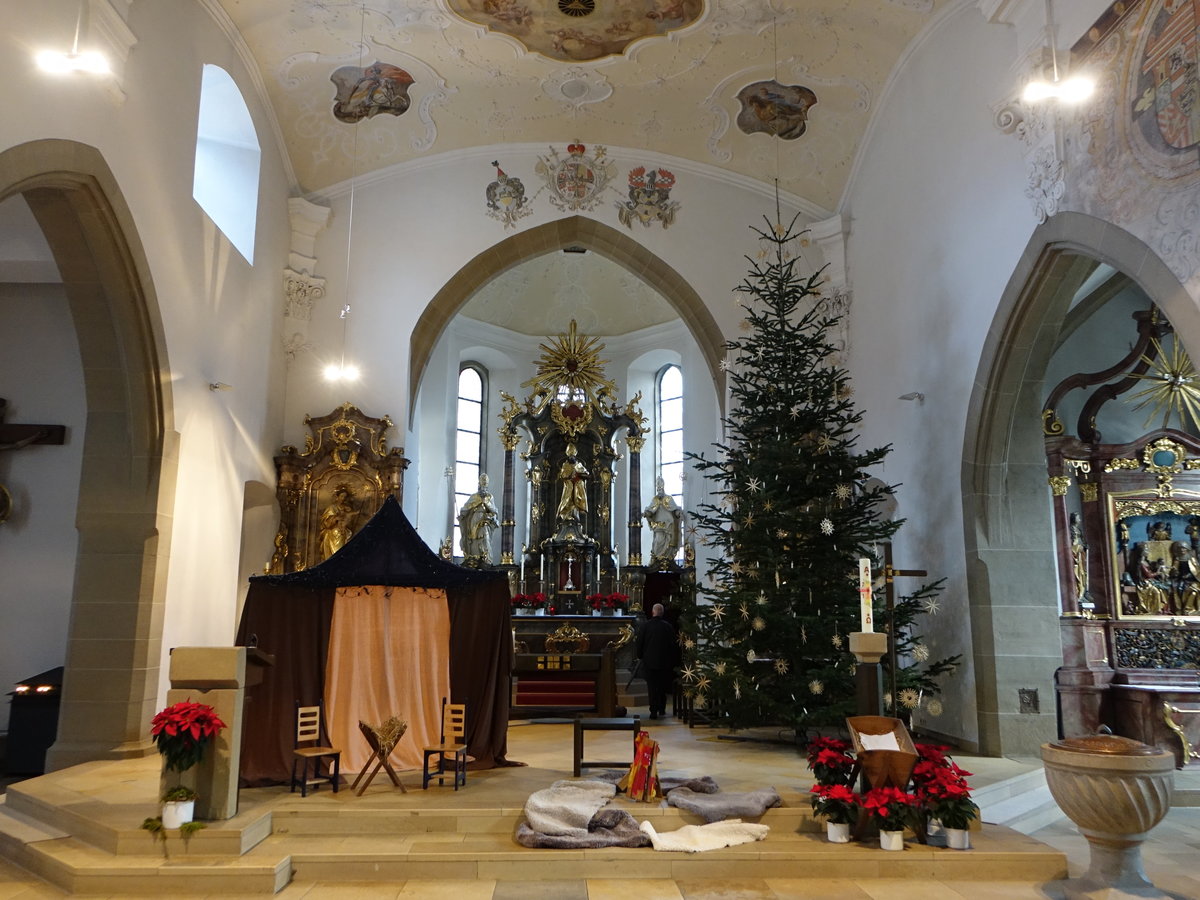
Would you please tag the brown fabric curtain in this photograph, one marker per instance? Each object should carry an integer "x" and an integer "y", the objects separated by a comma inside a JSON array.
[
  {"x": 481, "y": 665},
  {"x": 292, "y": 623},
  {"x": 389, "y": 655}
]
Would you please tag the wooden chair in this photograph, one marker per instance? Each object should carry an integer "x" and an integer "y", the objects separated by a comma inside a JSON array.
[
  {"x": 450, "y": 746},
  {"x": 382, "y": 740},
  {"x": 312, "y": 745}
]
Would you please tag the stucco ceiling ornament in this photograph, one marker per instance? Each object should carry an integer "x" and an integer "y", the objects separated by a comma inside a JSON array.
[
  {"x": 577, "y": 86},
  {"x": 297, "y": 343},
  {"x": 1046, "y": 185},
  {"x": 576, "y": 182}
]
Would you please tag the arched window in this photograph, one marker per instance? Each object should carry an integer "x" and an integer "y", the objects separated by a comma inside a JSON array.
[
  {"x": 669, "y": 436},
  {"x": 468, "y": 450},
  {"x": 225, "y": 183}
]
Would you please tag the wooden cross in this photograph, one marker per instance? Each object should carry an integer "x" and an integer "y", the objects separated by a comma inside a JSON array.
[
  {"x": 890, "y": 573},
  {"x": 14, "y": 437}
]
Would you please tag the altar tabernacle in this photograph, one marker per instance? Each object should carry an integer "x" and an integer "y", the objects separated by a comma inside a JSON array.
[{"x": 383, "y": 627}]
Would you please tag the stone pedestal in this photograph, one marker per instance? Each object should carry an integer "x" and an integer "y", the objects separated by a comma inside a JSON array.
[
  {"x": 1115, "y": 790},
  {"x": 216, "y": 676}
]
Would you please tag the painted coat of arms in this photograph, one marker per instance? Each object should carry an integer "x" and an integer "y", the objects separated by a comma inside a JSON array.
[
  {"x": 506, "y": 201},
  {"x": 1167, "y": 102},
  {"x": 649, "y": 198},
  {"x": 576, "y": 182}
]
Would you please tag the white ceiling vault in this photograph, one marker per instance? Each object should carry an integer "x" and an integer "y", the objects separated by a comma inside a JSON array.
[{"x": 672, "y": 88}]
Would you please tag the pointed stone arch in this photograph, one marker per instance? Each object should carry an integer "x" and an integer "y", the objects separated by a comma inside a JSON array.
[
  {"x": 1011, "y": 575},
  {"x": 129, "y": 447},
  {"x": 575, "y": 231}
]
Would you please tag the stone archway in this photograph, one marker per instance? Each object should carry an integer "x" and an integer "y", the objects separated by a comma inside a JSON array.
[
  {"x": 577, "y": 231},
  {"x": 113, "y": 648},
  {"x": 1011, "y": 574}
]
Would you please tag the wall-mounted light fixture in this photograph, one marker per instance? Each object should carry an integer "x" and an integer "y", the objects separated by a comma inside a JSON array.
[
  {"x": 1068, "y": 90},
  {"x": 219, "y": 386},
  {"x": 91, "y": 61},
  {"x": 913, "y": 395}
]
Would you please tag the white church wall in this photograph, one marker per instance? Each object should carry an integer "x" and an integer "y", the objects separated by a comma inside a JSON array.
[
  {"x": 213, "y": 305},
  {"x": 42, "y": 376},
  {"x": 416, "y": 226},
  {"x": 938, "y": 221}
]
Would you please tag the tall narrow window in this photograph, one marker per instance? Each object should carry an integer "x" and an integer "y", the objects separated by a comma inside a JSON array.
[
  {"x": 225, "y": 182},
  {"x": 468, "y": 451},
  {"x": 670, "y": 430}
]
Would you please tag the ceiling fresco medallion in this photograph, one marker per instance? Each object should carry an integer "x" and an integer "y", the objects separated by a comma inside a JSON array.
[
  {"x": 574, "y": 30},
  {"x": 363, "y": 93},
  {"x": 773, "y": 108}
]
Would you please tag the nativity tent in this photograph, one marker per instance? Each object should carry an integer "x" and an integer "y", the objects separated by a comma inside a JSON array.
[{"x": 384, "y": 627}]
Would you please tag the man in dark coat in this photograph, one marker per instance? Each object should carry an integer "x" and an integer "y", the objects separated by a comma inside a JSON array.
[{"x": 658, "y": 652}]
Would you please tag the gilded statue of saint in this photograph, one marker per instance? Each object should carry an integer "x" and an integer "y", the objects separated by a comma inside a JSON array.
[
  {"x": 573, "y": 474},
  {"x": 477, "y": 520},
  {"x": 337, "y": 522}
]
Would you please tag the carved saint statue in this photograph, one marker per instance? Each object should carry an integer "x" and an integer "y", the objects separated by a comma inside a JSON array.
[
  {"x": 573, "y": 474},
  {"x": 337, "y": 522},
  {"x": 477, "y": 520},
  {"x": 664, "y": 516},
  {"x": 1078, "y": 558},
  {"x": 1185, "y": 573}
]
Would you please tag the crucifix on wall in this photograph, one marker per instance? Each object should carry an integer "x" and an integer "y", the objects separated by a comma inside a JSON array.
[{"x": 17, "y": 437}]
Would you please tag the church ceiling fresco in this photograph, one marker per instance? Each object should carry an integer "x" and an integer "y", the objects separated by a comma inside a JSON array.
[{"x": 406, "y": 79}]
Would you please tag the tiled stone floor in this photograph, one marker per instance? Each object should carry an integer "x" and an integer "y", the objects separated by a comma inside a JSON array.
[{"x": 1170, "y": 855}]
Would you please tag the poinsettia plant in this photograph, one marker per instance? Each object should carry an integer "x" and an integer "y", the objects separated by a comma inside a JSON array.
[
  {"x": 615, "y": 601},
  {"x": 891, "y": 806},
  {"x": 529, "y": 601},
  {"x": 830, "y": 760},
  {"x": 941, "y": 788},
  {"x": 181, "y": 732},
  {"x": 836, "y": 802}
]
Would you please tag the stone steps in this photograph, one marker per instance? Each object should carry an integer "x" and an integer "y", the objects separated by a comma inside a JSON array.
[{"x": 1022, "y": 803}]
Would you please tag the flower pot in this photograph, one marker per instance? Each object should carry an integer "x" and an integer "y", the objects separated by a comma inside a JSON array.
[
  {"x": 177, "y": 812},
  {"x": 595, "y": 612},
  {"x": 891, "y": 840},
  {"x": 957, "y": 838},
  {"x": 540, "y": 612},
  {"x": 837, "y": 832},
  {"x": 523, "y": 612}
]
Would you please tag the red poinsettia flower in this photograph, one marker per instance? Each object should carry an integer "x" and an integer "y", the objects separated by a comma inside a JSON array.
[
  {"x": 890, "y": 805},
  {"x": 181, "y": 730},
  {"x": 836, "y": 802}
]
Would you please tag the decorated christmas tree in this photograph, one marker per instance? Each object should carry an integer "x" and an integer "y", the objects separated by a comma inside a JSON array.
[{"x": 793, "y": 508}]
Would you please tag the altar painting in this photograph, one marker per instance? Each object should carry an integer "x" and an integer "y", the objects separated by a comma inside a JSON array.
[{"x": 1156, "y": 544}]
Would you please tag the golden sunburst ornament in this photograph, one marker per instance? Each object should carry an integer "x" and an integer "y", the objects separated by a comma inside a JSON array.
[
  {"x": 573, "y": 361},
  {"x": 1172, "y": 387}
]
